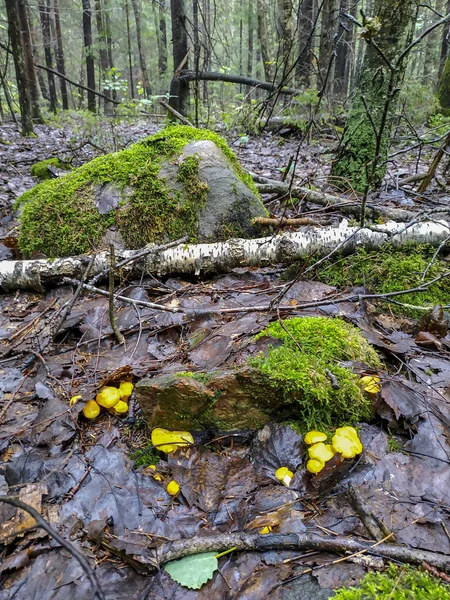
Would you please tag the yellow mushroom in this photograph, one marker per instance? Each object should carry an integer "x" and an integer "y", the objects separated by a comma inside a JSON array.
[
  {"x": 108, "y": 397},
  {"x": 284, "y": 475},
  {"x": 125, "y": 390},
  {"x": 371, "y": 384},
  {"x": 173, "y": 488},
  {"x": 314, "y": 466},
  {"x": 91, "y": 410},
  {"x": 169, "y": 441},
  {"x": 346, "y": 442},
  {"x": 313, "y": 437},
  {"x": 75, "y": 399},
  {"x": 321, "y": 452},
  {"x": 121, "y": 408},
  {"x": 265, "y": 530}
]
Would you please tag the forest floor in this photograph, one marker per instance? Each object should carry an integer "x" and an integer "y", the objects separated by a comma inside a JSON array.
[{"x": 89, "y": 479}]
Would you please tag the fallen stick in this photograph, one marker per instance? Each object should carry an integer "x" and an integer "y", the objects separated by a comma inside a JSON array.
[
  {"x": 220, "y": 257},
  {"x": 292, "y": 541},
  {"x": 286, "y": 222}
]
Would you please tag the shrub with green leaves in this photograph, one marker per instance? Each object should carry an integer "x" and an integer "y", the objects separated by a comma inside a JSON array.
[{"x": 396, "y": 584}]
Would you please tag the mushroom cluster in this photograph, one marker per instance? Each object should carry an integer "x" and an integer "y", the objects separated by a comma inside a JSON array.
[
  {"x": 345, "y": 441},
  {"x": 113, "y": 399}
]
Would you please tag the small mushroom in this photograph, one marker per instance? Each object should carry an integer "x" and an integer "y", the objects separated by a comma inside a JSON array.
[
  {"x": 108, "y": 397},
  {"x": 125, "y": 390},
  {"x": 314, "y": 437},
  {"x": 173, "y": 488},
  {"x": 121, "y": 408},
  {"x": 321, "y": 452},
  {"x": 75, "y": 399},
  {"x": 284, "y": 475},
  {"x": 314, "y": 466},
  {"x": 265, "y": 530},
  {"x": 371, "y": 384},
  {"x": 91, "y": 410},
  {"x": 346, "y": 442},
  {"x": 169, "y": 441}
]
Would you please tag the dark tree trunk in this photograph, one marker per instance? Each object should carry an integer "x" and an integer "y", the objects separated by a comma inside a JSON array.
[
  {"x": 60, "y": 62},
  {"x": 305, "y": 25},
  {"x": 344, "y": 51},
  {"x": 19, "y": 64},
  {"x": 196, "y": 36},
  {"x": 44, "y": 12},
  {"x": 142, "y": 61},
  {"x": 376, "y": 95},
  {"x": 262, "y": 37},
  {"x": 250, "y": 38},
  {"x": 179, "y": 89},
  {"x": 285, "y": 37},
  {"x": 37, "y": 57},
  {"x": 27, "y": 50},
  {"x": 162, "y": 39},
  {"x": 130, "y": 55},
  {"x": 329, "y": 28},
  {"x": 102, "y": 51},
  {"x": 90, "y": 67},
  {"x": 444, "y": 43}
]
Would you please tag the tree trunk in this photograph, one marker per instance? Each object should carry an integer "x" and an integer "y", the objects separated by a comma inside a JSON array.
[
  {"x": 162, "y": 38},
  {"x": 202, "y": 259},
  {"x": 19, "y": 64},
  {"x": 262, "y": 37},
  {"x": 285, "y": 37},
  {"x": 305, "y": 25},
  {"x": 431, "y": 64},
  {"x": 362, "y": 155},
  {"x": 250, "y": 38},
  {"x": 102, "y": 51},
  {"x": 143, "y": 63},
  {"x": 60, "y": 62},
  {"x": 444, "y": 42},
  {"x": 329, "y": 28},
  {"x": 44, "y": 12},
  {"x": 179, "y": 88},
  {"x": 344, "y": 55},
  {"x": 90, "y": 67},
  {"x": 130, "y": 55},
  {"x": 30, "y": 71},
  {"x": 37, "y": 57}
]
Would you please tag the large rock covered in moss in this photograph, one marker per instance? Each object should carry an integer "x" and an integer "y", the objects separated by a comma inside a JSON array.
[
  {"x": 181, "y": 181},
  {"x": 300, "y": 376}
]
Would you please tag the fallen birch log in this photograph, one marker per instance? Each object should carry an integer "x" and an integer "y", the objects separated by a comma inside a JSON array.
[
  {"x": 324, "y": 199},
  {"x": 220, "y": 257}
]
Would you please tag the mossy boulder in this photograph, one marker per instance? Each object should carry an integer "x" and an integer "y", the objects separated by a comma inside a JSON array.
[
  {"x": 43, "y": 169},
  {"x": 293, "y": 380},
  {"x": 181, "y": 181}
]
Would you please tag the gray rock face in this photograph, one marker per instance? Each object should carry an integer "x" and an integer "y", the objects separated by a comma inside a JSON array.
[{"x": 230, "y": 205}]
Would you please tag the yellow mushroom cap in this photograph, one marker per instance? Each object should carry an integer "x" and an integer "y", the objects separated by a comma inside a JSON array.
[
  {"x": 371, "y": 384},
  {"x": 169, "y": 441},
  {"x": 314, "y": 466},
  {"x": 265, "y": 530},
  {"x": 91, "y": 410},
  {"x": 313, "y": 437},
  {"x": 173, "y": 488},
  {"x": 346, "y": 442},
  {"x": 284, "y": 475},
  {"x": 121, "y": 408},
  {"x": 75, "y": 399},
  {"x": 125, "y": 389},
  {"x": 152, "y": 467},
  {"x": 108, "y": 397},
  {"x": 321, "y": 452}
]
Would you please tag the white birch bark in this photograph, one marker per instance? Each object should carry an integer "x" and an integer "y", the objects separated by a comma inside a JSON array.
[{"x": 202, "y": 259}]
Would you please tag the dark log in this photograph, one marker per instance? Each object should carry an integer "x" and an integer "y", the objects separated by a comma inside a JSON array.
[{"x": 239, "y": 79}]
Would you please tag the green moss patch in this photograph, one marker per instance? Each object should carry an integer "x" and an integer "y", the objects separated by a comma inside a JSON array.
[
  {"x": 398, "y": 583},
  {"x": 41, "y": 171},
  {"x": 391, "y": 270},
  {"x": 60, "y": 218},
  {"x": 311, "y": 346}
]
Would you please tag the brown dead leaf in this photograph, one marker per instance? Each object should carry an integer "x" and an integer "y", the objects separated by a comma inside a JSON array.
[
  {"x": 22, "y": 521},
  {"x": 428, "y": 340}
]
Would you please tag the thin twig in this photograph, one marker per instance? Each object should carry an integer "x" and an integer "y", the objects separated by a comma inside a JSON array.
[{"x": 112, "y": 316}]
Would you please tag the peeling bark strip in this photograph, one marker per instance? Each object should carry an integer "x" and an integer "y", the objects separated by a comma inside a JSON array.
[
  {"x": 202, "y": 259},
  {"x": 293, "y": 541}
]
